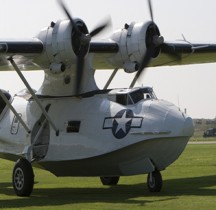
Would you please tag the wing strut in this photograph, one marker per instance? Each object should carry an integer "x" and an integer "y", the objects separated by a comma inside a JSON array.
[
  {"x": 135, "y": 79},
  {"x": 33, "y": 94},
  {"x": 110, "y": 79}
]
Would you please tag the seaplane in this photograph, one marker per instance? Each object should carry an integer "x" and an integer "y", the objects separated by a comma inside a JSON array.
[{"x": 70, "y": 127}]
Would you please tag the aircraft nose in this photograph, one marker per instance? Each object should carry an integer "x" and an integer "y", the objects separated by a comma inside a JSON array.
[
  {"x": 188, "y": 128},
  {"x": 180, "y": 123}
]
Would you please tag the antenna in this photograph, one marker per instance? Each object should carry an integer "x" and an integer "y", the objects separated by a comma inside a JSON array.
[{"x": 178, "y": 101}]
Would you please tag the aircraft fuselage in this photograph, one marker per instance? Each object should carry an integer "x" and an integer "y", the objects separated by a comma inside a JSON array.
[{"x": 103, "y": 133}]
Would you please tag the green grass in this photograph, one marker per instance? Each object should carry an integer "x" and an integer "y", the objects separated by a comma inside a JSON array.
[{"x": 189, "y": 183}]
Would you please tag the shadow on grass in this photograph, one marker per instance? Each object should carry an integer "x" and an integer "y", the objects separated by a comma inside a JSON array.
[{"x": 129, "y": 194}]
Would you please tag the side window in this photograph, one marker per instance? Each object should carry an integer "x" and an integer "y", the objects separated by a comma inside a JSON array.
[
  {"x": 73, "y": 126},
  {"x": 147, "y": 96}
]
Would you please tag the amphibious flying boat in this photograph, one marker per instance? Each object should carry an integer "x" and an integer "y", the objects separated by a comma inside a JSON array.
[{"x": 70, "y": 127}]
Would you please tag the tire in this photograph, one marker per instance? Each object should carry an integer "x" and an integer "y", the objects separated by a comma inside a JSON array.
[
  {"x": 109, "y": 180},
  {"x": 23, "y": 178},
  {"x": 154, "y": 181}
]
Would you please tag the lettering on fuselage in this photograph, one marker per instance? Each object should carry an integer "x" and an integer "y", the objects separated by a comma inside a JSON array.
[{"x": 122, "y": 123}]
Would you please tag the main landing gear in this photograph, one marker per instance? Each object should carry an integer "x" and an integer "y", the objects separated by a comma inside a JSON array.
[
  {"x": 154, "y": 181},
  {"x": 109, "y": 180},
  {"x": 23, "y": 177}
]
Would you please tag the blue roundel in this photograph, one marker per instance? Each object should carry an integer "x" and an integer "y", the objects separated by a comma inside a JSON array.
[{"x": 122, "y": 123}]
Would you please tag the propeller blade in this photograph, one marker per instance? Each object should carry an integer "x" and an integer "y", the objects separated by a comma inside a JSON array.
[
  {"x": 62, "y": 5},
  {"x": 100, "y": 28},
  {"x": 83, "y": 45},
  {"x": 153, "y": 42},
  {"x": 79, "y": 73},
  {"x": 145, "y": 61},
  {"x": 79, "y": 69},
  {"x": 151, "y": 10}
]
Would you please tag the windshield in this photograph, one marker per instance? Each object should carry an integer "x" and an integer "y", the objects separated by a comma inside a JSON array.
[
  {"x": 148, "y": 93},
  {"x": 134, "y": 96},
  {"x": 137, "y": 96}
]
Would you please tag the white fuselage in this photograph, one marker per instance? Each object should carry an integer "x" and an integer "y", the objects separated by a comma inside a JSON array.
[{"x": 97, "y": 135}]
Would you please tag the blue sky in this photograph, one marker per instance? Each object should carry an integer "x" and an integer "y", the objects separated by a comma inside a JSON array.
[{"x": 191, "y": 87}]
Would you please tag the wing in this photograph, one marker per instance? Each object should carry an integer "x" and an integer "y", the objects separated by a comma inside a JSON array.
[
  {"x": 22, "y": 51},
  {"x": 106, "y": 52},
  {"x": 188, "y": 53}
]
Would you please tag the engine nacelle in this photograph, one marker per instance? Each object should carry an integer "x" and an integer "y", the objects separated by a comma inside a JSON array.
[
  {"x": 60, "y": 46},
  {"x": 61, "y": 49},
  {"x": 133, "y": 42}
]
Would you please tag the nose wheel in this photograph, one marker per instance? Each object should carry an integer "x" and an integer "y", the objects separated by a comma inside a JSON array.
[{"x": 154, "y": 181}]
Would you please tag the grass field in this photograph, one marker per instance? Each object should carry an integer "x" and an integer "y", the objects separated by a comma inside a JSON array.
[{"x": 189, "y": 183}]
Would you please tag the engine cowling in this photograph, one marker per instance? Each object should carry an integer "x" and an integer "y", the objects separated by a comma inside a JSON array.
[
  {"x": 133, "y": 41},
  {"x": 61, "y": 47}
]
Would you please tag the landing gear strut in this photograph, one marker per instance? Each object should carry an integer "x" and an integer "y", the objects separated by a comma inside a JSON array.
[
  {"x": 23, "y": 177},
  {"x": 154, "y": 181}
]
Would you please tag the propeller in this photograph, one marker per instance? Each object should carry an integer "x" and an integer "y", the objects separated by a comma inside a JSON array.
[
  {"x": 154, "y": 43},
  {"x": 81, "y": 43}
]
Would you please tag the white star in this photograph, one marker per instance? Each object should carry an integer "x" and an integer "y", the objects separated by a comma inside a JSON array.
[{"x": 122, "y": 122}]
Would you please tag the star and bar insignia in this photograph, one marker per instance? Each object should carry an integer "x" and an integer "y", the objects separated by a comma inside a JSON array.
[{"x": 122, "y": 123}]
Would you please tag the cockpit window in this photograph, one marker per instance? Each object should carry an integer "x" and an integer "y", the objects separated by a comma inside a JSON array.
[
  {"x": 137, "y": 96},
  {"x": 148, "y": 93},
  {"x": 132, "y": 96},
  {"x": 124, "y": 99}
]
